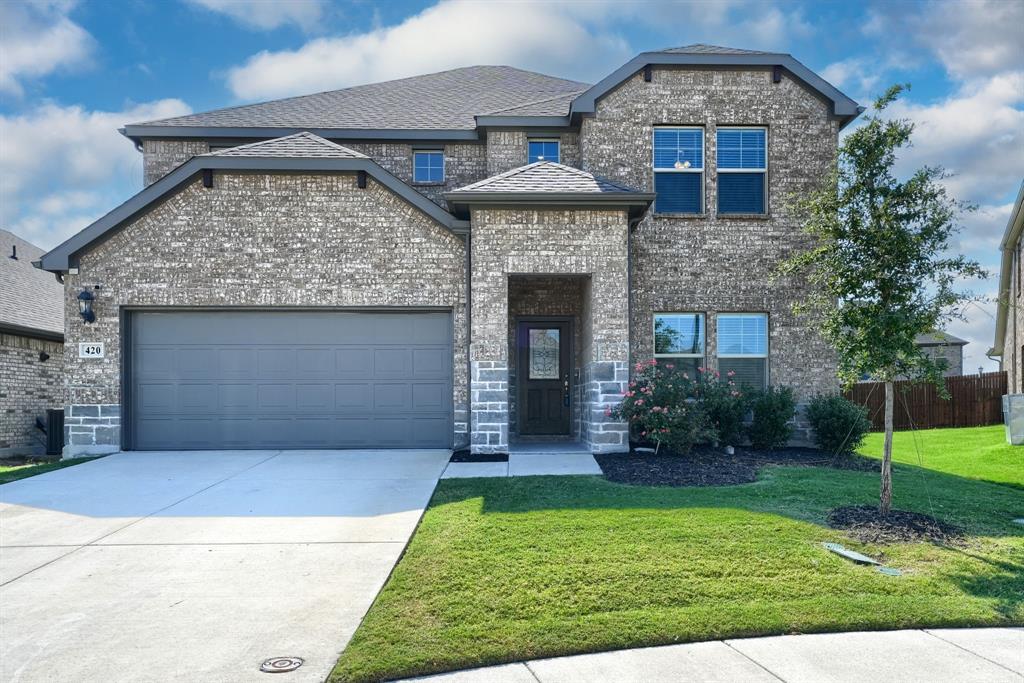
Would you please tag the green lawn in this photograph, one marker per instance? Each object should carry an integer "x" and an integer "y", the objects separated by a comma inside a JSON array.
[
  {"x": 9, "y": 473},
  {"x": 973, "y": 452},
  {"x": 510, "y": 569}
]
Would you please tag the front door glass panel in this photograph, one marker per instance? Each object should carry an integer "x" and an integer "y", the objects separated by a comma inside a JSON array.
[{"x": 544, "y": 352}]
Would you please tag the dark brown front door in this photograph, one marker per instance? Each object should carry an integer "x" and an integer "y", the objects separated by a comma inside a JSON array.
[{"x": 543, "y": 375}]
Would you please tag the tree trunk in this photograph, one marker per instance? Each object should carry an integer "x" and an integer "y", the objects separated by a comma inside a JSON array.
[{"x": 885, "y": 501}]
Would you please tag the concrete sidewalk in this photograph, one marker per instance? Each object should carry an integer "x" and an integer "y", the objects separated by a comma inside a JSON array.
[{"x": 985, "y": 655}]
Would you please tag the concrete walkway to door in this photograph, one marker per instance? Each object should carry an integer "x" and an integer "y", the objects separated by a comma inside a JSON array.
[{"x": 200, "y": 565}]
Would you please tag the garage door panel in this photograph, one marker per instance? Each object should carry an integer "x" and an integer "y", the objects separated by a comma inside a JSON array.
[
  {"x": 392, "y": 363},
  {"x": 354, "y": 362},
  {"x": 309, "y": 379},
  {"x": 197, "y": 397}
]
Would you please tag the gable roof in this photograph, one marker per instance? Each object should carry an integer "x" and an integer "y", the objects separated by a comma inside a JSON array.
[
  {"x": 843, "y": 108},
  {"x": 545, "y": 183},
  {"x": 263, "y": 156},
  {"x": 1011, "y": 238},
  {"x": 34, "y": 300},
  {"x": 304, "y": 145},
  {"x": 939, "y": 338},
  {"x": 445, "y": 101},
  {"x": 454, "y": 104}
]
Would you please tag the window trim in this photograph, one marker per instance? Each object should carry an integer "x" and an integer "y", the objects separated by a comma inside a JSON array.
[
  {"x": 763, "y": 171},
  {"x": 655, "y": 170},
  {"x": 557, "y": 141},
  {"x": 444, "y": 169},
  {"x": 704, "y": 340}
]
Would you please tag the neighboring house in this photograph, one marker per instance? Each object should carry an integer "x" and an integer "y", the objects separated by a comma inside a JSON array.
[
  {"x": 468, "y": 257},
  {"x": 1009, "y": 341},
  {"x": 31, "y": 346},
  {"x": 940, "y": 346},
  {"x": 944, "y": 347}
]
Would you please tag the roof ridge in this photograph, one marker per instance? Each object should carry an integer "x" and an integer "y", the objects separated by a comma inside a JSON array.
[
  {"x": 501, "y": 176},
  {"x": 304, "y": 135},
  {"x": 481, "y": 185}
]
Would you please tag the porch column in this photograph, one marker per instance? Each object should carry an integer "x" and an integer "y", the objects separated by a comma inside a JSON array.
[
  {"x": 488, "y": 353},
  {"x": 606, "y": 358}
]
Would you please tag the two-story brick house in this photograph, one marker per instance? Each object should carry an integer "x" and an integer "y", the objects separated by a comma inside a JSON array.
[{"x": 470, "y": 257}]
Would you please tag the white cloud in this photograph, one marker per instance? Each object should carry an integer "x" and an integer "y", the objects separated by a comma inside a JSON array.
[
  {"x": 38, "y": 38},
  {"x": 62, "y": 167},
  {"x": 976, "y": 134},
  {"x": 267, "y": 14},
  {"x": 974, "y": 38},
  {"x": 450, "y": 34},
  {"x": 854, "y": 75}
]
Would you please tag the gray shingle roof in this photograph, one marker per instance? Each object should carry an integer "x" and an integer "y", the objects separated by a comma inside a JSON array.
[
  {"x": 939, "y": 339},
  {"x": 299, "y": 145},
  {"x": 557, "y": 105},
  {"x": 703, "y": 49},
  {"x": 33, "y": 298},
  {"x": 445, "y": 101},
  {"x": 545, "y": 176}
]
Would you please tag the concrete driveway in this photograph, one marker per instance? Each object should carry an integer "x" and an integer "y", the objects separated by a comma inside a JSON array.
[{"x": 201, "y": 565}]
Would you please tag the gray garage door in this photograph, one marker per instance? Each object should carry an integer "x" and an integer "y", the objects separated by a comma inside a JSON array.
[{"x": 302, "y": 379}]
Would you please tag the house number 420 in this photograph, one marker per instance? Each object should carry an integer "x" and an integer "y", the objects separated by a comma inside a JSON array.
[{"x": 90, "y": 350}]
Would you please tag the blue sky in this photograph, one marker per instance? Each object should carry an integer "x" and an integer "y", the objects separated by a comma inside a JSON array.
[{"x": 72, "y": 72}]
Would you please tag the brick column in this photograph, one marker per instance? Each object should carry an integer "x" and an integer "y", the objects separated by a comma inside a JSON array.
[{"x": 604, "y": 382}]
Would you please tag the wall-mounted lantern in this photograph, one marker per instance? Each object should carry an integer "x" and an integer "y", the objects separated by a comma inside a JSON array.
[{"x": 85, "y": 299}]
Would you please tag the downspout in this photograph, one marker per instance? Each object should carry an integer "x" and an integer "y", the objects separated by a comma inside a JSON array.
[
  {"x": 632, "y": 226},
  {"x": 469, "y": 341}
]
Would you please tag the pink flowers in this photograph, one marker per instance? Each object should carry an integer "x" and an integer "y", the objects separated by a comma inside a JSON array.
[
  {"x": 731, "y": 373},
  {"x": 607, "y": 411},
  {"x": 670, "y": 366},
  {"x": 639, "y": 401}
]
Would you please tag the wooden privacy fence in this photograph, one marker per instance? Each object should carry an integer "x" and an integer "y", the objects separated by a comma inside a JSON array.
[{"x": 974, "y": 401}]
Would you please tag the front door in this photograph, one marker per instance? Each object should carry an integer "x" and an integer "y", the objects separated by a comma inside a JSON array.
[{"x": 543, "y": 375}]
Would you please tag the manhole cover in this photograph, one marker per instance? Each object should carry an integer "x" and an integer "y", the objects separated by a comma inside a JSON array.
[{"x": 280, "y": 665}]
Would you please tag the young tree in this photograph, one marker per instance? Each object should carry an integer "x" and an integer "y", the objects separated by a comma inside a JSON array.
[{"x": 880, "y": 263}]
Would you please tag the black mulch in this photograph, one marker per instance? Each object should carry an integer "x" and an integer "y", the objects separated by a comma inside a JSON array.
[
  {"x": 864, "y": 523},
  {"x": 463, "y": 455},
  {"x": 705, "y": 466}
]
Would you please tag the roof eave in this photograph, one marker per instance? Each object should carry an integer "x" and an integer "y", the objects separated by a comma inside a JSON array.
[
  {"x": 523, "y": 121},
  {"x": 635, "y": 203},
  {"x": 140, "y": 131},
  {"x": 61, "y": 258},
  {"x": 843, "y": 108},
  {"x": 33, "y": 332}
]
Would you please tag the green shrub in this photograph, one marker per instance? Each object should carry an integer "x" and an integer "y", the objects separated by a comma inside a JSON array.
[
  {"x": 727, "y": 406},
  {"x": 839, "y": 425},
  {"x": 660, "y": 407},
  {"x": 773, "y": 410}
]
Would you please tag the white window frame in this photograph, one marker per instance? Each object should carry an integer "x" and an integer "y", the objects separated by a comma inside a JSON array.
[
  {"x": 704, "y": 328},
  {"x": 444, "y": 166},
  {"x": 767, "y": 339},
  {"x": 557, "y": 141},
  {"x": 762, "y": 171},
  {"x": 672, "y": 169}
]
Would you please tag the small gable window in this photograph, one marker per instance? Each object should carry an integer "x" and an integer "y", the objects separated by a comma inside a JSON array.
[
  {"x": 679, "y": 170},
  {"x": 742, "y": 168},
  {"x": 543, "y": 150},
  {"x": 428, "y": 167}
]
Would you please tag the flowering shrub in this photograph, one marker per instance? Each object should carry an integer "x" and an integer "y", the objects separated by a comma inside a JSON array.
[
  {"x": 727, "y": 406},
  {"x": 660, "y": 406}
]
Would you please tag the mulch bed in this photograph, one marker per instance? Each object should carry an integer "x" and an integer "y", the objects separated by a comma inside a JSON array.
[
  {"x": 712, "y": 467},
  {"x": 864, "y": 523}
]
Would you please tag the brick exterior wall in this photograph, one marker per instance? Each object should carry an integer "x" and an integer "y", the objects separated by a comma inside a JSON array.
[
  {"x": 28, "y": 386},
  {"x": 259, "y": 240},
  {"x": 463, "y": 164},
  {"x": 709, "y": 263},
  {"x": 507, "y": 149},
  {"x": 160, "y": 157},
  {"x": 953, "y": 354},
  {"x": 546, "y": 242}
]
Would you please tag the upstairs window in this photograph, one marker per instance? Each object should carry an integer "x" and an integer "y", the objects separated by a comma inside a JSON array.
[
  {"x": 743, "y": 348},
  {"x": 543, "y": 150},
  {"x": 680, "y": 336},
  {"x": 428, "y": 167},
  {"x": 679, "y": 170},
  {"x": 742, "y": 168}
]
